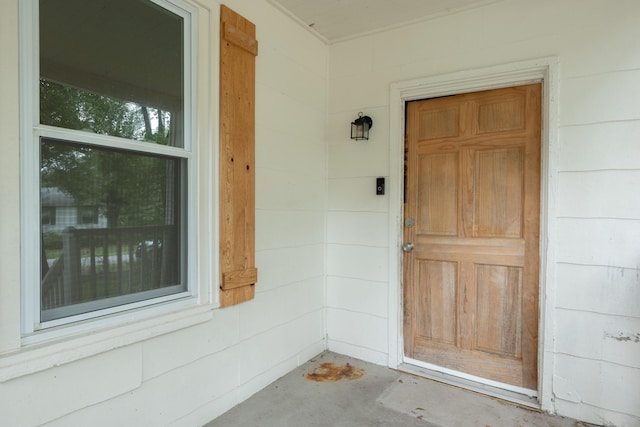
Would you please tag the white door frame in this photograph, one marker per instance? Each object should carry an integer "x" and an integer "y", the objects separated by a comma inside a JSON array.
[{"x": 543, "y": 70}]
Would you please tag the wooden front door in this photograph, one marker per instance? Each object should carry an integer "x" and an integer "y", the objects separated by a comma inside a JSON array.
[{"x": 472, "y": 206}]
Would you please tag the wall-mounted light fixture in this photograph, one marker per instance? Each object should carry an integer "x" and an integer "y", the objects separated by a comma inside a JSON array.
[{"x": 360, "y": 127}]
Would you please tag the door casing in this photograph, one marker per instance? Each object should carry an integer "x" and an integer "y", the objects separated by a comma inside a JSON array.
[{"x": 543, "y": 70}]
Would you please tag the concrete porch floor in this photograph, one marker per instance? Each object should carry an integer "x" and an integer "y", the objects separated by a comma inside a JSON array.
[{"x": 338, "y": 391}]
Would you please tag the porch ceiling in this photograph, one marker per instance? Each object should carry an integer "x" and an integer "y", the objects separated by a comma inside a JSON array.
[{"x": 336, "y": 20}]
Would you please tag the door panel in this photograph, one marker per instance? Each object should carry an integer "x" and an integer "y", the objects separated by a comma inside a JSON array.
[
  {"x": 498, "y": 193},
  {"x": 439, "y": 124},
  {"x": 501, "y": 113},
  {"x": 498, "y": 310},
  {"x": 439, "y": 178},
  {"x": 472, "y": 212},
  {"x": 436, "y": 299}
]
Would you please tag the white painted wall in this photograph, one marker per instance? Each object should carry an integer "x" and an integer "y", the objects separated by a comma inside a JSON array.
[
  {"x": 187, "y": 367},
  {"x": 593, "y": 289}
]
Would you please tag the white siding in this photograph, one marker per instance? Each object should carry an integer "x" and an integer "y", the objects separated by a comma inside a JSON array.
[{"x": 594, "y": 369}]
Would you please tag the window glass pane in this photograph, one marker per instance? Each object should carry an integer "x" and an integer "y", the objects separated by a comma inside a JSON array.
[
  {"x": 88, "y": 215},
  {"x": 48, "y": 216},
  {"x": 113, "y": 67},
  {"x": 116, "y": 234}
]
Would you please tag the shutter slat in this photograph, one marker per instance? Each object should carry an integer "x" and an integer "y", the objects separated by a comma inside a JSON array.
[
  {"x": 240, "y": 39},
  {"x": 236, "y": 279}
]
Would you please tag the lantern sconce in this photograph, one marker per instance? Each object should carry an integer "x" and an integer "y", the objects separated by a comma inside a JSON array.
[{"x": 360, "y": 127}]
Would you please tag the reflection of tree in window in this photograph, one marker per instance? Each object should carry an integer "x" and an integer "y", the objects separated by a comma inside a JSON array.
[
  {"x": 128, "y": 188},
  {"x": 79, "y": 109}
]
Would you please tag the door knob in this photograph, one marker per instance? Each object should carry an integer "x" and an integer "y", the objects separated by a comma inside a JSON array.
[{"x": 407, "y": 247}]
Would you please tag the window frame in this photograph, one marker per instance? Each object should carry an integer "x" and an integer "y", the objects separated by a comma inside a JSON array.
[{"x": 32, "y": 329}]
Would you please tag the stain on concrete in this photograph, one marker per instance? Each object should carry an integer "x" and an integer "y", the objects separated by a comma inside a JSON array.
[
  {"x": 419, "y": 413},
  {"x": 331, "y": 372}
]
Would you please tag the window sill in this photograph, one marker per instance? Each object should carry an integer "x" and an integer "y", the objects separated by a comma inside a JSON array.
[{"x": 38, "y": 357}]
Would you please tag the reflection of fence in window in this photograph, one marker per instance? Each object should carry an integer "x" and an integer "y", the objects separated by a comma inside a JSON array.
[{"x": 108, "y": 262}]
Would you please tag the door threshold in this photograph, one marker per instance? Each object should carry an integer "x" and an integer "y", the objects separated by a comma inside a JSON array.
[{"x": 513, "y": 394}]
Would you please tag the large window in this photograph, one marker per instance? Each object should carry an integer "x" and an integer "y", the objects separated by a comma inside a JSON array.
[{"x": 110, "y": 155}]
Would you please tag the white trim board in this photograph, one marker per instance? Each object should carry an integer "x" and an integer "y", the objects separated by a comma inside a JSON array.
[{"x": 543, "y": 70}]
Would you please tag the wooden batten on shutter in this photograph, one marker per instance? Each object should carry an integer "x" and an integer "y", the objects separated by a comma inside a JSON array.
[{"x": 238, "y": 48}]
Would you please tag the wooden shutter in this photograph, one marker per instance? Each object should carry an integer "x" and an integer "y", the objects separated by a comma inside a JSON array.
[{"x": 238, "y": 49}]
